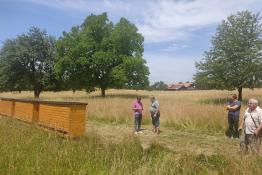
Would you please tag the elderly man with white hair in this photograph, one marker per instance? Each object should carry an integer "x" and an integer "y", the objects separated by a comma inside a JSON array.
[{"x": 251, "y": 125}]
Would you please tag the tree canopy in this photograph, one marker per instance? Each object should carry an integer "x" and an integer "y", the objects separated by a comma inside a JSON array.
[
  {"x": 235, "y": 59},
  {"x": 27, "y": 62},
  {"x": 100, "y": 54}
]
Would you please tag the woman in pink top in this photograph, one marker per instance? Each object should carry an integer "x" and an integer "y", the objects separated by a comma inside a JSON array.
[{"x": 137, "y": 108}]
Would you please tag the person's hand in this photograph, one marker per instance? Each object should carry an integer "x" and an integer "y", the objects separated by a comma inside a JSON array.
[
  {"x": 154, "y": 115},
  {"x": 239, "y": 129},
  {"x": 256, "y": 132}
]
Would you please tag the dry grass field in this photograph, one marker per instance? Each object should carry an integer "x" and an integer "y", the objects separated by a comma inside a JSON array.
[
  {"x": 189, "y": 109},
  {"x": 192, "y": 140}
]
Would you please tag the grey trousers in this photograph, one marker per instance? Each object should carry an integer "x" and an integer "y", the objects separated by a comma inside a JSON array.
[{"x": 138, "y": 120}]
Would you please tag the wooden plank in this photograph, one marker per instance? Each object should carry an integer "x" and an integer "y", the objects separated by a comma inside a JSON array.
[
  {"x": 24, "y": 111},
  {"x": 56, "y": 117},
  {"x": 77, "y": 121},
  {"x": 6, "y": 108}
]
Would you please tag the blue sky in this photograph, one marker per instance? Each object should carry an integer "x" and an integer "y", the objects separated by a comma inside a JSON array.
[{"x": 176, "y": 32}]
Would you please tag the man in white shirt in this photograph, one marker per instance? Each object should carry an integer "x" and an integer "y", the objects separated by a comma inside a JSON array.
[
  {"x": 252, "y": 125},
  {"x": 155, "y": 114}
]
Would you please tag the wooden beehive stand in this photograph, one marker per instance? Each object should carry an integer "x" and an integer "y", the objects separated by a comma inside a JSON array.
[{"x": 65, "y": 117}]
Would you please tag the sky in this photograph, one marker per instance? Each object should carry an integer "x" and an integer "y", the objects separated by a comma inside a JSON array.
[{"x": 176, "y": 32}]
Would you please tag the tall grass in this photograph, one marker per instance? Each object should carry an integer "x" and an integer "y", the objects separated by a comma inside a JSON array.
[
  {"x": 28, "y": 150},
  {"x": 204, "y": 110}
]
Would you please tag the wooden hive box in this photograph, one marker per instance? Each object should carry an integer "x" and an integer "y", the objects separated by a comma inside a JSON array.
[
  {"x": 7, "y": 107},
  {"x": 26, "y": 110},
  {"x": 67, "y": 117}
]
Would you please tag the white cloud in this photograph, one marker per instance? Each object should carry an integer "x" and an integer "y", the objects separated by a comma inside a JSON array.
[
  {"x": 160, "y": 20},
  {"x": 170, "y": 20},
  {"x": 64, "y": 4},
  {"x": 174, "y": 47},
  {"x": 88, "y": 6}
]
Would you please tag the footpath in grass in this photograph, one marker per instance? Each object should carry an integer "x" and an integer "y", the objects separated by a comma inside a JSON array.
[{"x": 180, "y": 141}]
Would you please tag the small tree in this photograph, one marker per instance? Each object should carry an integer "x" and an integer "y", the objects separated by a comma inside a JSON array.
[
  {"x": 27, "y": 62},
  {"x": 235, "y": 58}
]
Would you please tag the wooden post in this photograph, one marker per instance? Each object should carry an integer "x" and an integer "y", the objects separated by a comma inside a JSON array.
[
  {"x": 12, "y": 109},
  {"x": 77, "y": 121},
  {"x": 35, "y": 118}
]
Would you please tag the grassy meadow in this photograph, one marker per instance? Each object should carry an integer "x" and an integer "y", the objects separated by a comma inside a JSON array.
[{"x": 192, "y": 139}]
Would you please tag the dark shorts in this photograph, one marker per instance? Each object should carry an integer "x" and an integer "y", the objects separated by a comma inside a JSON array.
[{"x": 155, "y": 120}]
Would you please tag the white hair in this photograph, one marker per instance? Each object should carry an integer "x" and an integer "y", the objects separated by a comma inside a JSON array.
[{"x": 252, "y": 100}]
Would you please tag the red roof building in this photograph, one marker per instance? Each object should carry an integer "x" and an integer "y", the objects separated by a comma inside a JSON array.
[{"x": 181, "y": 86}]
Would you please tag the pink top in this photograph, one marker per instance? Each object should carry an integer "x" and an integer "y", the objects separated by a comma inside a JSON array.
[{"x": 137, "y": 107}]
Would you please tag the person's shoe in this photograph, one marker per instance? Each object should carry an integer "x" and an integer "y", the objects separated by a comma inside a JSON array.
[
  {"x": 140, "y": 132},
  {"x": 158, "y": 131},
  {"x": 135, "y": 132},
  {"x": 231, "y": 137}
]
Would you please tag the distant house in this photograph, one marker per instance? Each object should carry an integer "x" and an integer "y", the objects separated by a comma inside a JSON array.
[{"x": 181, "y": 86}]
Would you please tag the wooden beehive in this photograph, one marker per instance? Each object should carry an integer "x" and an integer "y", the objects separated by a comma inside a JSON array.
[
  {"x": 76, "y": 120},
  {"x": 24, "y": 111},
  {"x": 67, "y": 117},
  {"x": 7, "y": 107}
]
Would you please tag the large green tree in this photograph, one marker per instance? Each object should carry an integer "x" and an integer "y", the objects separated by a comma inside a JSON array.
[
  {"x": 100, "y": 54},
  {"x": 235, "y": 58},
  {"x": 27, "y": 62}
]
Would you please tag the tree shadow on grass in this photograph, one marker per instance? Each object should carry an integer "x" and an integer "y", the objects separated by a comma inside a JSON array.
[
  {"x": 109, "y": 96},
  {"x": 219, "y": 101},
  {"x": 126, "y": 96}
]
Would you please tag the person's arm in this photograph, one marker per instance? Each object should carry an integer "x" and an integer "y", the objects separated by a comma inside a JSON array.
[
  {"x": 157, "y": 109},
  {"x": 242, "y": 121},
  {"x": 141, "y": 109},
  {"x": 258, "y": 129},
  {"x": 228, "y": 106},
  {"x": 138, "y": 107},
  {"x": 134, "y": 107},
  {"x": 260, "y": 125},
  {"x": 235, "y": 107}
]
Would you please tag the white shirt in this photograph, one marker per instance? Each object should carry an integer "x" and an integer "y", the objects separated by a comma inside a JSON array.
[{"x": 249, "y": 124}]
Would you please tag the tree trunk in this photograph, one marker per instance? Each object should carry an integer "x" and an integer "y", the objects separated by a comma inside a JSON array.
[
  {"x": 103, "y": 92},
  {"x": 37, "y": 93},
  {"x": 239, "y": 93}
]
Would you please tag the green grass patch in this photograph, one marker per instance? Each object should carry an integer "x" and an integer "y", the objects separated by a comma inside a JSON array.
[
  {"x": 198, "y": 126},
  {"x": 27, "y": 149},
  {"x": 118, "y": 120}
]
